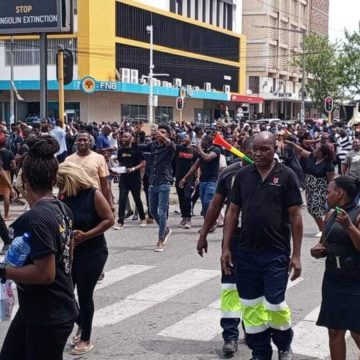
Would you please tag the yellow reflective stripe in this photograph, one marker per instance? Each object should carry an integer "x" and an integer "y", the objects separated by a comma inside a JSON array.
[
  {"x": 230, "y": 301},
  {"x": 254, "y": 315},
  {"x": 278, "y": 315}
]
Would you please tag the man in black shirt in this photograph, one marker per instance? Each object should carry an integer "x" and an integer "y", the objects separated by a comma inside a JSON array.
[
  {"x": 185, "y": 157},
  {"x": 161, "y": 154},
  {"x": 208, "y": 162},
  {"x": 133, "y": 160},
  {"x": 269, "y": 197}
]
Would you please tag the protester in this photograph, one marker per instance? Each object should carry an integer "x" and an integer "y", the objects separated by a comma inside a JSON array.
[
  {"x": 162, "y": 152},
  {"x": 340, "y": 243},
  {"x": 60, "y": 135},
  {"x": 318, "y": 174},
  {"x": 92, "y": 217},
  {"x": 47, "y": 306},
  {"x": 268, "y": 196},
  {"x": 351, "y": 164}
]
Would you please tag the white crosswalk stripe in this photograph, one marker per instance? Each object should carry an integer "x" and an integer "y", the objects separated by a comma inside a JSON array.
[
  {"x": 111, "y": 277},
  {"x": 151, "y": 296},
  {"x": 203, "y": 325}
]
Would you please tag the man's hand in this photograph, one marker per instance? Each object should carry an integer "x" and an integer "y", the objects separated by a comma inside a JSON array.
[
  {"x": 202, "y": 245},
  {"x": 182, "y": 182},
  {"x": 129, "y": 170},
  {"x": 343, "y": 218},
  {"x": 227, "y": 265},
  {"x": 295, "y": 267}
]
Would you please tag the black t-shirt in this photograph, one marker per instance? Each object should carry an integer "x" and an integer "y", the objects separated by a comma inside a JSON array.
[
  {"x": 318, "y": 170},
  {"x": 85, "y": 219},
  {"x": 130, "y": 157},
  {"x": 47, "y": 225},
  {"x": 265, "y": 222},
  {"x": 226, "y": 181},
  {"x": 185, "y": 158},
  {"x": 210, "y": 169},
  {"x": 6, "y": 157}
]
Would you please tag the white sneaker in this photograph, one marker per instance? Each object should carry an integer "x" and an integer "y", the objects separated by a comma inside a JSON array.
[
  {"x": 142, "y": 223},
  {"x": 319, "y": 234},
  {"x": 118, "y": 227}
]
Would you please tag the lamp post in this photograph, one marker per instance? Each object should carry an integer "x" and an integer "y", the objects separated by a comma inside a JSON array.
[
  {"x": 303, "y": 33},
  {"x": 151, "y": 75}
]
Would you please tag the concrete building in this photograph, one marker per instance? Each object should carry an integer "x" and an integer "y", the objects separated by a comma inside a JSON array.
[
  {"x": 205, "y": 54},
  {"x": 319, "y": 17},
  {"x": 272, "y": 72}
]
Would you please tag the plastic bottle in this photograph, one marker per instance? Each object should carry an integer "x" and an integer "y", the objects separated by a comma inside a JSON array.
[{"x": 18, "y": 251}]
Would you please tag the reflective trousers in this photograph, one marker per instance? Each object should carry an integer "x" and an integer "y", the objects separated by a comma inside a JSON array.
[{"x": 261, "y": 282}]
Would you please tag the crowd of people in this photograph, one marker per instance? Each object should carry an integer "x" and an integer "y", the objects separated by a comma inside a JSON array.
[{"x": 83, "y": 161}]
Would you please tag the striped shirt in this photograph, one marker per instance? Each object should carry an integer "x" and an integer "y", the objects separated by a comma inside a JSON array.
[{"x": 344, "y": 146}]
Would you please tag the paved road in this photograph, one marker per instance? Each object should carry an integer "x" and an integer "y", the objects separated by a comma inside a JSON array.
[{"x": 157, "y": 306}]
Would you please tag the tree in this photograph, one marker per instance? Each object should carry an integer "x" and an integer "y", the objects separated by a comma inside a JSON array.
[
  {"x": 350, "y": 62},
  {"x": 322, "y": 66}
]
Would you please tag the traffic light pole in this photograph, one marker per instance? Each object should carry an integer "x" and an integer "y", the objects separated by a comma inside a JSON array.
[
  {"x": 12, "y": 92},
  {"x": 43, "y": 75},
  {"x": 150, "y": 30},
  {"x": 60, "y": 74},
  {"x": 302, "y": 111}
]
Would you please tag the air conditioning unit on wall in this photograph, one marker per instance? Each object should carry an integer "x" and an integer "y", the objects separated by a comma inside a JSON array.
[
  {"x": 177, "y": 82},
  {"x": 134, "y": 76},
  {"x": 207, "y": 86},
  {"x": 125, "y": 75},
  {"x": 226, "y": 89}
]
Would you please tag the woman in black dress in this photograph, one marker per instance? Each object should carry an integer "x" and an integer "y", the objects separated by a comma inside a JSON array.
[
  {"x": 340, "y": 244},
  {"x": 92, "y": 217}
]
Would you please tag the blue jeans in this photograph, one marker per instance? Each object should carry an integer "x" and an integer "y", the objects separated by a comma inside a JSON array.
[
  {"x": 159, "y": 203},
  {"x": 207, "y": 191}
]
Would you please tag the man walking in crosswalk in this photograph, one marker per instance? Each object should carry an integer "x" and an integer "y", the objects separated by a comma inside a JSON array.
[{"x": 268, "y": 196}]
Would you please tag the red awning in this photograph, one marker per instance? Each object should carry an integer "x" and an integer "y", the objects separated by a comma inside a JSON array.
[{"x": 247, "y": 99}]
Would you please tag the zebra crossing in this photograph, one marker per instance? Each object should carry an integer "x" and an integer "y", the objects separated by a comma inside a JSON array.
[{"x": 202, "y": 325}]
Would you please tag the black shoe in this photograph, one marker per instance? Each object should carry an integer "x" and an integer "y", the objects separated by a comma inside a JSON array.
[
  {"x": 285, "y": 355},
  {"x": 230, "y": 347},
  {"x": 101, "y": 277},
  {"x": 135, "y": 217},
  {"x": 4, "y": 249},
  {"x": 129, "y": 213}
]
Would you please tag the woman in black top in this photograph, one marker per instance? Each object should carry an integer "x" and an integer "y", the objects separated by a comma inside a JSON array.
[
  {"x": 92, "y": 217},
  {"x": 47, "y": 305},
  {"x": 340, "y": 244},
  {"x": 319, "y": 172}
]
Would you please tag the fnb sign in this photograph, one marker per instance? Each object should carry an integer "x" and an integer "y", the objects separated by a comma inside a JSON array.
[{"x": 106, "y": 85}]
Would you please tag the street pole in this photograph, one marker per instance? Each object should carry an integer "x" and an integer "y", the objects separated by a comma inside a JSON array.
[
  {"x": 12, "y": 92},
  {"x": 43, "y": 75},
  {"x": 150, "y": 30},
  {"x": 302, "y": 111},
  {"x": 60, "y": 74}
]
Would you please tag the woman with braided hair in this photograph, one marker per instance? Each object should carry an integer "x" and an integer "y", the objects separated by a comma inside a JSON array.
[{"x": 47, "y": 306}]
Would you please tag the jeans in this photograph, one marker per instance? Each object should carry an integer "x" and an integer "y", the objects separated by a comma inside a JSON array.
[
  {"x": 146, "y": 190},
  {"x": 134, "y": 186},
  {"x": 159, "y": 202},
  {"x": 207, "y": 191},
  {"x": 261, "y": 280},
  {"x": 184, "y": 195},
  {"x": 85, "y": 273},
  {"x": 31, "y": 342}
]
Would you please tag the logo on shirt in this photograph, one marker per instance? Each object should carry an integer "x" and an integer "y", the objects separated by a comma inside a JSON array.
[
  {"x": 275, "y": 181},
  {"x": 185, "y": 155}
]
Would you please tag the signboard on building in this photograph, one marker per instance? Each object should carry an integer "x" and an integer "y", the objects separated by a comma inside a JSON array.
[
  {"x": 35, "y": 16},
  {"x": 89, "y": 85}
]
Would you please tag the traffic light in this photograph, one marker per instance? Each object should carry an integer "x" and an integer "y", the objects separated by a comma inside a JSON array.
[
  {"x": 68, "y": 66},
  {"x": 329, "y": 104},
  {"x": 179, "y": 103}
]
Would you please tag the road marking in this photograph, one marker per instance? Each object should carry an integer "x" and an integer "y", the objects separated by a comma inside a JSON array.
[
  {"x": 310, "y": 339},
  {"x": 111, "y": 277},
  {"x": 204, "y": 324},
  {"x": 151, "y": 296}
]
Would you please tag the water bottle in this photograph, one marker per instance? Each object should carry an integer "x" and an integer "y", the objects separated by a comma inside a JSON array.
[{"x": 18, "y": 251}]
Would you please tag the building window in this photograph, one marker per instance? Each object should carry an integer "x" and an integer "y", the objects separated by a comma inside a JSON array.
[
  {"x": 254, "y": 83},
  {"x": 164, "y": 114},
  {"x": 202, "y": 116},
  {"x": 27, "y": 52},
  {"x": 173, "y": 6},
  {"x": 197, "y": 17},
  {"x": 134, "y": 112}
]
